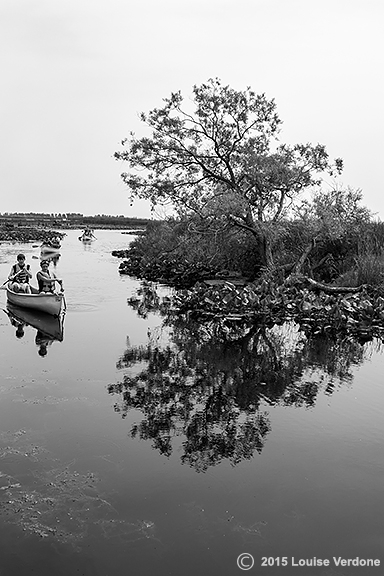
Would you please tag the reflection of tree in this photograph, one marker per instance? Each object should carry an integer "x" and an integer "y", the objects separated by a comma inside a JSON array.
[
  {"x": 279, "y": 365},
  {"x": 178, "y": 398},
  {"x": 209, "y": 384},
  {"x": 332, "y": 359}
]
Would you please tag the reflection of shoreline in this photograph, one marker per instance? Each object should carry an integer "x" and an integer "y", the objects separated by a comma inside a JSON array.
[{"x": 48, "y": 328}]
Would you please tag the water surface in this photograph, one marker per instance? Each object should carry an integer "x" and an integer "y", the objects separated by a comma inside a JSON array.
[{"x": 132, "y": 447}]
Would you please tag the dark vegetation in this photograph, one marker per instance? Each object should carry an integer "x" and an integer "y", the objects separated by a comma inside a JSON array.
[
  {"x": 30, "y": 226},
  {"x": 339, "y": 289},
  {"x": 253, "y": 224},
  {"x": 28, "y": 234},
  {"x": 175, "y": 253}
]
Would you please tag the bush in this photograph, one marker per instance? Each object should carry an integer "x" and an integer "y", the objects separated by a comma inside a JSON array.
[
  {"x": 370, "y": 270},
  {"x": 182, "y": 251},
  {"x": 179, "y": 253}
]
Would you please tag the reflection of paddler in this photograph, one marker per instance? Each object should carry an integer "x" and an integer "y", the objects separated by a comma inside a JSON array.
[
  {"x": 43, "y": 341},
  {"x": 20, "y": 331},
  {"x": 19, "y": 327},
  {"x": 48, "y": 328},
  {"x": 45, "y": 323},
  {"x": 18, "y": 324}
]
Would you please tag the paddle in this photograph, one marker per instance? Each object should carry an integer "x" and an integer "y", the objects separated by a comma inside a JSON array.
[
  {"x": 63, "y": 295},
  {"x": 10, "y": 280}
]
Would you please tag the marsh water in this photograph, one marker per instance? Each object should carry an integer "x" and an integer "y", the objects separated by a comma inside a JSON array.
[{"x": 136, "y": 442}]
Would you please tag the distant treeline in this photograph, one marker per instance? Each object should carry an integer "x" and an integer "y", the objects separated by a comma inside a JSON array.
[{"x": 71, "y": 220}]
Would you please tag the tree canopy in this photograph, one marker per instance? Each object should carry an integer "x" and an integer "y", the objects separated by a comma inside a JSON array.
[{"x": 222, "y": 156}]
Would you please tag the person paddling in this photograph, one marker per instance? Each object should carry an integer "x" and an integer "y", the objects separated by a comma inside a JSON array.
[
  {"x": 19, "y": 276},
  {"x": 88, "y": 233},
  {"x": 46, "y": 279}
]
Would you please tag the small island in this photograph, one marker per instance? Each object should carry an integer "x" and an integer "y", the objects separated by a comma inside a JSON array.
[{"x": 256, "y": 236}]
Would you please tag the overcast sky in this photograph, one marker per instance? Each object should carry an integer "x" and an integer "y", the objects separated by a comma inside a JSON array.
[{"x": 76, "y": 73}]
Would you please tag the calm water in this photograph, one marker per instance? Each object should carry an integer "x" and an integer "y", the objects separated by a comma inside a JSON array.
[{"x": 132, "y": 447}]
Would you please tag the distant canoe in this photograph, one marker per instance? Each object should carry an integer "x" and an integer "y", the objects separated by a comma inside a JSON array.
[
  {"x": 48, "y": 303},
  {"x": 50, "y": 326},
  {"x": 47, "y": 249},
  {"x": 86, "y": 239}
]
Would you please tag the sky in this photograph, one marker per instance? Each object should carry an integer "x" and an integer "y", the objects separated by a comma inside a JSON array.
[{"x": 75, "y": 75}]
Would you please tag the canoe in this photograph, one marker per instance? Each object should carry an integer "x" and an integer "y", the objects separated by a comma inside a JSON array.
[
  {"x": 48, "y": 303},
  {"x": 86, "y": 239},
  {"x": 48, "y": 325},
  {"x": 46, "y": 249}
]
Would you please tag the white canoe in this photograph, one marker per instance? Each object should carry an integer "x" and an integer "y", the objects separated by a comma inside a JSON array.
[
  {"x": 48, "y": 303},
  {"x": 45, "y": 249}
]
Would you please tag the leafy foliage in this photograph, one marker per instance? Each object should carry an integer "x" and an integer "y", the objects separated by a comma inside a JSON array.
[{"x": 222, "y": 160}]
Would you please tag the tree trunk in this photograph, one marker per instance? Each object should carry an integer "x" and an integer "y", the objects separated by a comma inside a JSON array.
[
  {"x": 313, "y": 285},
  {"x": 267, "y": 252},
  {"x": 297, "y": 268}
]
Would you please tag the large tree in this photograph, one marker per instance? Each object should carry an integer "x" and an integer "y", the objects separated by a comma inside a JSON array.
[{"x": 219, "y": 154}]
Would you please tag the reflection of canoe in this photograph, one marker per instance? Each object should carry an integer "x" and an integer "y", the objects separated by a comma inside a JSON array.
[
  {"x": 50, "y": 326},
  {"x": 48, "y": 303},
  {"x": 51, "y": 258}
]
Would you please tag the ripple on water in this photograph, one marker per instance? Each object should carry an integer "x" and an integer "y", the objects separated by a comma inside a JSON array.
[{"x": 83, "y": 307}]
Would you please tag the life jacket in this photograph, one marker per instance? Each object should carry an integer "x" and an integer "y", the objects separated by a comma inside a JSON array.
[
  {"x": 23, "y": 277},
  {"x": 45, "y": 286}
]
